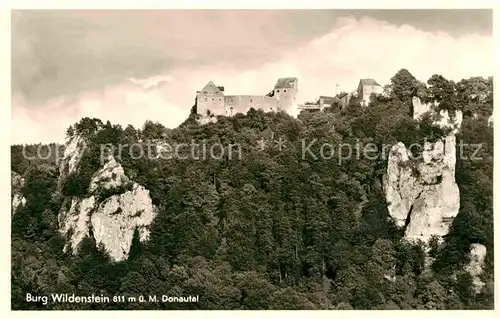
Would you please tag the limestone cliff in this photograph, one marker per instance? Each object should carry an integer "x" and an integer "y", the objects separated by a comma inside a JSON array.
[
  {"x": 114, "y": 208},
  {"x": 18, "y": 200},
  {"x": 73, "y": 151},
  {"x": 443, "y": 120},
  {"x": 475, "y": 266},
  {"x": 202, "y": 120},
  {"x": 421, "y": 192}
]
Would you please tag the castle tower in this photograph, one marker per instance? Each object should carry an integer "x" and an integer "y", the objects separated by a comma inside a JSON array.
[
  {"x": 210, "y": 98},
  {"x": 285, "y": 91},
  {"x": 365, "y": 88}
]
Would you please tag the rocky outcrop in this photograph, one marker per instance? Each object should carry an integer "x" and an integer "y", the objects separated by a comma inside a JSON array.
[
  {"x": 18, "y": 200},
  {"x": 74, "y": 222},
  {"x": 114, "y": 208},
  {"x": 111, "y": 175},
  {"x": 115, "y": 220},
  {"x": 420, "y": 108},
  {"x": 421, "y": 192},
  {"x": 475, "y": 266},
  {"x": 400, "y": 184},
  {"x": 73, "y": 152},
  {"x": 202, "y": 120},
  {"x": 444, "y": 118}
]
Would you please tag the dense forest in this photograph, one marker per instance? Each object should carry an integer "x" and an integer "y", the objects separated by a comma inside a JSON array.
[{"x": 272, "y": 230}]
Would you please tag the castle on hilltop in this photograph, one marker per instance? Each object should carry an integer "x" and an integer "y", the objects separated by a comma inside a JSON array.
[
  {"x": 365, "y": 88},
  {"x": 212, "y": 99}
]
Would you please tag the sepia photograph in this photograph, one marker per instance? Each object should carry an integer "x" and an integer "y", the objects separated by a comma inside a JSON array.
[{"x": 251, "y": 159}]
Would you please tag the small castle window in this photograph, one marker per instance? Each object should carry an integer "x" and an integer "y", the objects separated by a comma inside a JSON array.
[
  {"x": 250, "y": 100},
  {"x": 278, "y": 91},
  {"x": 284, "y": 91},
  {"x": 213, "y": 99},
  {"x": 206, "y": 99}
]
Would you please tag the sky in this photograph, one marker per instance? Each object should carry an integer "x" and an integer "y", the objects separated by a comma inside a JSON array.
[{"x": 131, "y": 66}]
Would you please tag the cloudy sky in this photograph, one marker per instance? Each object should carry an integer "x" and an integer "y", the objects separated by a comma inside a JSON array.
[{"x": 130, "y": 66}]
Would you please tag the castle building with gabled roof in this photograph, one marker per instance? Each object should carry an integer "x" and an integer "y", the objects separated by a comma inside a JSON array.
[
  {"x": 213, "y": 100},
  {"x": 365, "y": 89}
]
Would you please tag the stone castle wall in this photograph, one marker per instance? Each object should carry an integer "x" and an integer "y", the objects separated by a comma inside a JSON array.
[
  {"x": 242, "y": 103},
  {"x": 212, "y": 99},
  {"x": 286, "y": 98},
  {"x": 367, "y": 91},
  {"x": 210, "y": 102}
]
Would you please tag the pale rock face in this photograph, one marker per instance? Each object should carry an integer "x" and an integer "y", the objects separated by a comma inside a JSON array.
[
  {"x": 74, "y": 222},
  {"x": 454, "y": 122},
  {"x": 73, "y": 152},
  {"x": 420, "y": 108},
  {"x": 18, "y": 200},
  {"x": 421, "y": 193},
  {"x": 445, "y": 119},
  {"x": 117, "y": 217},
  {"x": 427, "y": 192},
  {"x": 400, "y": 184},
  {"x": 207, "y": 119},
  {"x": 112, "y": 220},
  {"x": 111, "y": 175},
  {"x": 475, "y": 266}
]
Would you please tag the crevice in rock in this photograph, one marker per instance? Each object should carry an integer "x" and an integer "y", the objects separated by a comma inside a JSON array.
[
  {"x": 138, "y": 213},
  {"x": 91, "y": 231},
  {"x": 118, "y": 211},
  {"x": 408, "y": 217},
  {"x": 439, "y": 179}
]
